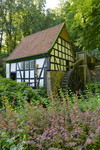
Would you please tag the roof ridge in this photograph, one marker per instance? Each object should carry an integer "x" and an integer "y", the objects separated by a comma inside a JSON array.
[
  {"x": 37, "y": 43},
  {"x": 43, "y": 30}
]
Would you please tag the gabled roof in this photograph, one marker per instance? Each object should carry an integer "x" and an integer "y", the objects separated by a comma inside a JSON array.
[{"x": 35, "y": 44}]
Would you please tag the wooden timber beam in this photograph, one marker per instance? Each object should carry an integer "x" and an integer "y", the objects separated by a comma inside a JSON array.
[{"x": 77, "y": 63}]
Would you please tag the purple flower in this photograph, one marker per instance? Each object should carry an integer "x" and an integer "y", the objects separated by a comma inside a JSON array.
[
  {"x": 54, "y": 148},
  {"x": 88, "y": 141},
  {"x": 80, "y": 147},
  {"x": 98, "y": 129},
  {"x": 71, "y": 144}
]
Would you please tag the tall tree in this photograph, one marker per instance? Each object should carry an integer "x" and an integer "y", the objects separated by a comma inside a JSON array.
[
  {"x": 21, "y": 18},
  {"x": 82, "y": 19}
]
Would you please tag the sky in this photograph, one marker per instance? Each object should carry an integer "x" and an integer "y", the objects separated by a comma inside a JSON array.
[{"x": 51, "y": 3}]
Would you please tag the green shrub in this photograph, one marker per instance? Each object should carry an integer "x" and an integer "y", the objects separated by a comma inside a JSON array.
[
  {"x": 94, "y": 87},
  {"x": 18, "y": 93},
  {"x": 3, "y": 69},
  {"x": 61, "y": 126}
]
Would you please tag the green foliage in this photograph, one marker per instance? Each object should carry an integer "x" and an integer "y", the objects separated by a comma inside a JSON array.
[
  {"x": 87, "y": 100},
  {"x": 18, "y": 93},
  {"x": 42, "y": 92},
  {"x": 62, "y": 125},
  {"x": 82, "y": 20},
  {"x": 3, "y": 69},
  {"x": 22, "y": 18},
  {"x": 94, "y": 87},
  {"x": 2, "y": 65}
]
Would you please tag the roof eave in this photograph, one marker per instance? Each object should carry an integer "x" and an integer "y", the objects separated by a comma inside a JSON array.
[{"x": 28, "y": 58}]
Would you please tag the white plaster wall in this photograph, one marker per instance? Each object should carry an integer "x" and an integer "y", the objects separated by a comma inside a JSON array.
[
  {"x": 32, "y": 84},
  {"x": 41, "y": 84},
  {"x": 32, "y": 74},
  {"x": 26, "y": 80},
  {"x": 7, "y": 70},
  {"x": 18, "y": 80},
  {"x": 26, "y": 74},
  {"x": 40, "y": 62},
  {"x": 18, "y": 74},
  {"x": 13, "y": 67},
  {"x": 42, "y": 75}
]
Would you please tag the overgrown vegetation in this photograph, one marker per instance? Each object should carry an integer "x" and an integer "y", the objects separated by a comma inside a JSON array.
[
  {"x": 68, "y": 122},
  {"x": 94, "y": 87},
  {"x": 18, "y": 93}
]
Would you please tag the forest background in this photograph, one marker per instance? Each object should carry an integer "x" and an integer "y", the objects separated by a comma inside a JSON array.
[{"x": 19, "y": 18}]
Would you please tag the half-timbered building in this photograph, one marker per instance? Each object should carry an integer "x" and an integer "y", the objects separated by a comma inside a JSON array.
[{"x": 41, "y": 59}]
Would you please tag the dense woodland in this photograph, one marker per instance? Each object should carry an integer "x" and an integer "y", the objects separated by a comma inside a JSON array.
[
  {"x": 20, "y": 18},
  {"x": 29, "y": 119}
]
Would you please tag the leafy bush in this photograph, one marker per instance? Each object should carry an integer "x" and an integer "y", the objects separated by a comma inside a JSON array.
[
  {"x": 68, "y": 122},
  {"x": 2, "y": 68},
  {"x": 18, "y": 93},
  {"x": 94, "y": 87},
  {"x": 42, "y": 92},
  {"x": 60, "y": 126},
  {"x": 88, "y": 100}
]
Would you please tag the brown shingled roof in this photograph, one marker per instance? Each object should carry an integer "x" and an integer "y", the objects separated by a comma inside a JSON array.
[{"x": 37, "y": 43}]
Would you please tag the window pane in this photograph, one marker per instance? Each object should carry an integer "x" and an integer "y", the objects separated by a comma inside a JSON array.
[
  {"x": 32, "y": 64},
  {"x": 13, "y": 67},
  {"x": 21, "y": 65},
  {"x": 27, "y": 65}
]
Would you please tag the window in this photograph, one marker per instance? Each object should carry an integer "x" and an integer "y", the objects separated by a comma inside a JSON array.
[
  {"x": 32, "y": 64},
  {"x": 21, "y": 65},
  {"x": 27, "y": 65}
]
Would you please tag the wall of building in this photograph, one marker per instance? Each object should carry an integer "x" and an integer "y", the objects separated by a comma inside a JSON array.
[
  {"x": 30, "y": 71},
  {"x": 61, "y": 56},
  {"x": 54, "y": 79}
]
